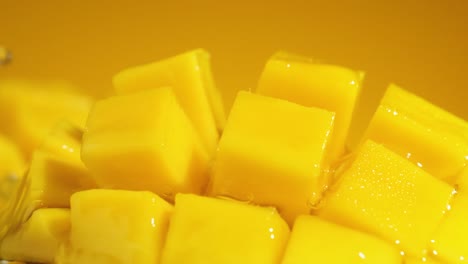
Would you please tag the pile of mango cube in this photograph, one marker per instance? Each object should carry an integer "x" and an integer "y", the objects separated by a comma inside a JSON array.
[{"x": 158, "y": 174}]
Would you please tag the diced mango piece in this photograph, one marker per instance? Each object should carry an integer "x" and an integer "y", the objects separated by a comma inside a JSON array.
[
  {"x": 56, "y": 170},
  {"x": 189, "y": 74},
  {"x": 423, "y": 137},
  {"x": 450, "y": 242},
  {"x": 54, "y": 179},
  {"x": 385, "y": 194},
  {"x": 144, "y": 141},
  {"x": 116, "y": 227},
  {"x": 29, "y": 110},
  {"x": 424, "y": 111},
  {"x": 39, "y": 238},
  {"x": 330, "y": 87},
  {"x": 314, "y": 240},
  {"x": 273, "y": 152},
  {"x": 210, "y": 231}
]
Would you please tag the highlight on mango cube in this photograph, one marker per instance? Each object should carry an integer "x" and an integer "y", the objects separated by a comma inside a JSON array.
[{"x": 161, "y": 172}]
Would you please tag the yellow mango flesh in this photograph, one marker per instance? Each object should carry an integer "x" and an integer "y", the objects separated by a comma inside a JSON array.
[
  {"x": 299, "y": 80},
  {"x": 189, "y": 74},
  {"x": 115, "y": 226},
  {"x": 450, "y": 242},
  {"x": 11, "y": 159},
  {"x": 421, "y": 137},
  {"x": 29, "y": 110},
  {"x": 424, "y": 111},
  {"x": 39, "y": 238},
  {"x": 386, "y": 195},
  {"x": 12, "y": 167},
  {"x": 56, "y": 170},
  {"x": 211, "y": 231},
  {"x": 273, "y": 152},
  {"x": 314, "y": 240},
  {"x": 144, "y": 141}
]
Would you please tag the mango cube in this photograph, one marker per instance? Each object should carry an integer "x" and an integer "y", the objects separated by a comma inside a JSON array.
[
  {"x": 189, "y": 74},
  {"x": 118, "y": 227},
  {"x": 314, "y": 240},
  {"x": 39, "y": 238},
  {"x": 330, "y": 87},
  {"x": 273, "y": 152},
  {"x": 56, "y": 170},
  {"x": 386, "y": 195},
  {"x": 210, "y": 231},
  {"x": 424, "y": 137},
  {"x": 29, "y": 110},
  {"x": 144, "y": 141},
  {"x": 451, "y": 238}
]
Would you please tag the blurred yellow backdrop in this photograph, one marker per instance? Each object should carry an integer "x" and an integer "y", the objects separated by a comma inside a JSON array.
[{"x": 420, "y": 45}]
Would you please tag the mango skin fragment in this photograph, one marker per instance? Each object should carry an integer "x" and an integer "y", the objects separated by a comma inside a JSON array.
[
  {"x": 211, "y": 231},
  {"x": 115, "y": 227},
  {"x": 144, "y": 141},
  {"x": 273, "y": 152},
  {"x": 300, "y": 80},
  {"x": 39, "y": 238},
  {"x": 386, "y": 195},
  {"x": 314, "y": 240},
  {"x": 189, "y": 74}
]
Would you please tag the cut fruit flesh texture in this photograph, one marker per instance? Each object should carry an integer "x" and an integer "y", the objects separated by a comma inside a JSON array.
[
  {"x": 125, "y": 227},
  {"x": 450, "y": 241},
  {"x": 29, "y": 110},
  {"x": 330, "y": 87},
  {"x": 207, "y": 230},
  {"x": 189, "y": 74},
  {"x": 144, "y": 141},
  {"x": 38, "y": 239},
  {"x": 428, "y": 136},
  {"x": 55, "y": 173},
  {"x": 386, "y": 195},
  {"x": 273, "y": 153},
  {"x": 314, "y": 240}
]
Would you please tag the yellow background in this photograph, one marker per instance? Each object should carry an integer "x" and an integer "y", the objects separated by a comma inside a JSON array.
[{"x": 420, "y": 45}]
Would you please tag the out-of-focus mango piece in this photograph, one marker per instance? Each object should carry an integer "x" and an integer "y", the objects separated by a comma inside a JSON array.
[
  {"x": 39, "y": 238},
  {"x": 386, "y": 195},
  {"x": 116, "y": 227},
  {"x": 210, "y": 231},
  {"x": 56, "y": 170},
  {"x": 12, "y": 168},
  {"x": 273, "y": 152},
  {"x": 423, "y": 133},
  {"x": 11, "y": 159},
  {"x": 450, "y": 242},
  {"x": 144, "y": 141},
  {"x": 302, "y": 81},
  {"x": 29, "y": 110},
  {"x": 189, "y": 74},
  {"x": 314, "y": 240}
]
